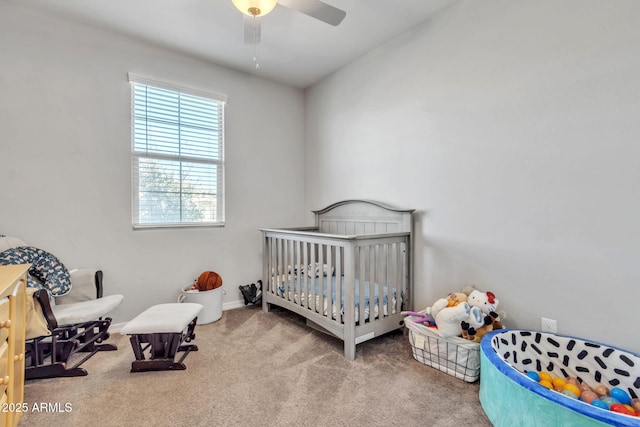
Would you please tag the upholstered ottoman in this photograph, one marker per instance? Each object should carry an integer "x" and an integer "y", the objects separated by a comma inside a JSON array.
[{"x": 161, "y": 330}]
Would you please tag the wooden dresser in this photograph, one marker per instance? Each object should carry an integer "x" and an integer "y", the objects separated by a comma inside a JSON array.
[{"x": 13, "y": 279}]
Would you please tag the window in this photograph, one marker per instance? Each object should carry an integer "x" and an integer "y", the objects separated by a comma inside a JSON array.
[{"x": 177, "y": 155}]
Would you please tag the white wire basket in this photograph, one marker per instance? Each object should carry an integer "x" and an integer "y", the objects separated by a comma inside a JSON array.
[{"x": 455, "y": 356}]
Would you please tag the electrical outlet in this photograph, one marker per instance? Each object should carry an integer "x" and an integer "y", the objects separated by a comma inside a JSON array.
[{"x": 548, "y": 325}]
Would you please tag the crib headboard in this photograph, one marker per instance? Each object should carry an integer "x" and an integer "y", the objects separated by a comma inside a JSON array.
[{"x": 350, "y": 217}]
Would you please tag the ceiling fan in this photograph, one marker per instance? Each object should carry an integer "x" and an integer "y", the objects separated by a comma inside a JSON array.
[{"x": 254, "y": 9}]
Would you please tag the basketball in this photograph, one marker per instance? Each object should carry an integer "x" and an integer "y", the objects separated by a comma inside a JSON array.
[{"x": 209, "y": 280}]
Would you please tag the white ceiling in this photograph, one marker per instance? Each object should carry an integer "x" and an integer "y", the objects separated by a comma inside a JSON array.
[{"x": 295, "y": 49}]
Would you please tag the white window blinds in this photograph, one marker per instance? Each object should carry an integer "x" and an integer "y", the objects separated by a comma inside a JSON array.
[{"x": 177, "y": 155}]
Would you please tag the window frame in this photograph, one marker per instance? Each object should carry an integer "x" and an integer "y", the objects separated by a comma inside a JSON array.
[{"x": 136, "y": 155}]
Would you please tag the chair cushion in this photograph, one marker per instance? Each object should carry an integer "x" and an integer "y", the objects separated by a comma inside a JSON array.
[
  {"x": 83, "y": 283},
  {"x": 163, "y": 318},
  {"x": 70, "y": 314},
  {"x": 36, "y": 324},
  {"x": 45, "y": 267}
]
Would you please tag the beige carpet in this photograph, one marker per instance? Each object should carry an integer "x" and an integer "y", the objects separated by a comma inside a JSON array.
[{"x": 256, "y": 368}]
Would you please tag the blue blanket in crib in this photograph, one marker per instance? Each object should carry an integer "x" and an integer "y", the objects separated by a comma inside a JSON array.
[{"x": 314, "y": 285}]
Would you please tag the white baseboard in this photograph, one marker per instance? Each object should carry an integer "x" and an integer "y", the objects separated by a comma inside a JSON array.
[
  {"x": 233, "y": 304},
  {"x": 117, "y": 327}
]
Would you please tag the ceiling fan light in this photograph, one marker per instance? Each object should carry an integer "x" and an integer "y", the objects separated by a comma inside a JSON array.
[{"x": 255, "y": 7}]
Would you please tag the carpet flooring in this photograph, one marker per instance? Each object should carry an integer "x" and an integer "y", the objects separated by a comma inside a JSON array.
[{"x": 260, "y": 369}]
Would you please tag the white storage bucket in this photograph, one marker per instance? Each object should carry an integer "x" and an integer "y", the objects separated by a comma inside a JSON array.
[{"x": 211, "y": 303}]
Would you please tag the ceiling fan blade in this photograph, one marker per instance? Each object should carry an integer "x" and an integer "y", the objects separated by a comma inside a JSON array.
[
  {"x": 316, "y": 9},
  {"x": 252, "y": 29}
]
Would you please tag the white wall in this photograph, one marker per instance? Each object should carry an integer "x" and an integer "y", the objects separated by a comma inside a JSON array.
[
  {"x": 65, "y": 159},
  {"x": 512, "y": 127}
]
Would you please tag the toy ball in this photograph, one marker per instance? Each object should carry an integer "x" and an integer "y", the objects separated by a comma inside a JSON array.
[
  {"x": 569, "y": 393},
  {"x": 572, "y": 388},
  {"x": 608, "y": 400},
  {"x": 620, "y": 395},
  {"x": 209, "y": 280},
  {"x": 621, "y": 409},
  {"x": 533, "y": 375},
  {"x": 584, "y": 386},
  {"x": 588, "y": 396},
  {"x": 546, "y": 383},
  {"x": 545, "y": 376},
  {"x": 558, "y": 382},
  {"x": 636, "y": 404},
  {"x": 601, "y": 390},
  {"x": 600, "y": 404},
  {"x": 573, "y": 380}
]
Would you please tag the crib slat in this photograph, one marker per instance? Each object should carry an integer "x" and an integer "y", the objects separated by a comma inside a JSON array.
[
  {"x": 374, "y": 256},
  {"x": 319, "y": 278},
  {"x": 363, "y": 256},
  {"x": 302, "y": 277},
  {"x": 403, "y": 291},
  {"x": 290, "y": 268},
  {"x": 338, "y": 299},
  {"x": 393, "y": 282},
  {"x": 287, "y": 266},
  {"x": 382, "y": 279},
  {"x": 308, "y": 279},
  {"x": 283, "y": 267},
  {"x": 388, "y": 281},
  {"x": 295, "y": 283},
  {"x": 311, "y": 292},
  {"x": 405, "y": 275},
  {"x": 329, "y": 281},
  {"x": 290, "y": 265},
  {"x": 274, "y": 264},
  {"x": 278, "y": 244},
  {"x": 402, "y": 280},
  {"x": 385, "y": 289}
]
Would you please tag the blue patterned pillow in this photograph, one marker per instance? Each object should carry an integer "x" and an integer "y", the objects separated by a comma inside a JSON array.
[{"x": 45, "y": 267}]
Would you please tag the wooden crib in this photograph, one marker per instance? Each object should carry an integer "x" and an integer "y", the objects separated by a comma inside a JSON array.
[{"x": 350, "y": 275}]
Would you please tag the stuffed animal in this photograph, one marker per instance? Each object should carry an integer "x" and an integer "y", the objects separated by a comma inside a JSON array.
[
  {"x": 485, "y": 301},
  {"x": 448, "y": 317},
  {"x": 492, "y": 322},
  {"x": 426, "y": 316},
  {"x": 481, "y": 303},
  {"x": 446, "y": 314},
  {"x": 483, "y": 317},
  {"x": 455, "y": 298}
]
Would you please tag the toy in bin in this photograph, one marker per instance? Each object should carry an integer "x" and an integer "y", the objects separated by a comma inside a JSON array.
[
  {"x": 447, "y": 334},
  {"x": 455, "y": 356},
  {"x": 615, "y": 399},
  {"x": 470, "y": 314},
  {"x": 207, "y": 281}
]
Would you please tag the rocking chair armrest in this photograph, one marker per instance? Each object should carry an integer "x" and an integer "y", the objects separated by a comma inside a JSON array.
[
  {"x": 86, "y": 284},
  {"x": 42, "y": 297}
]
